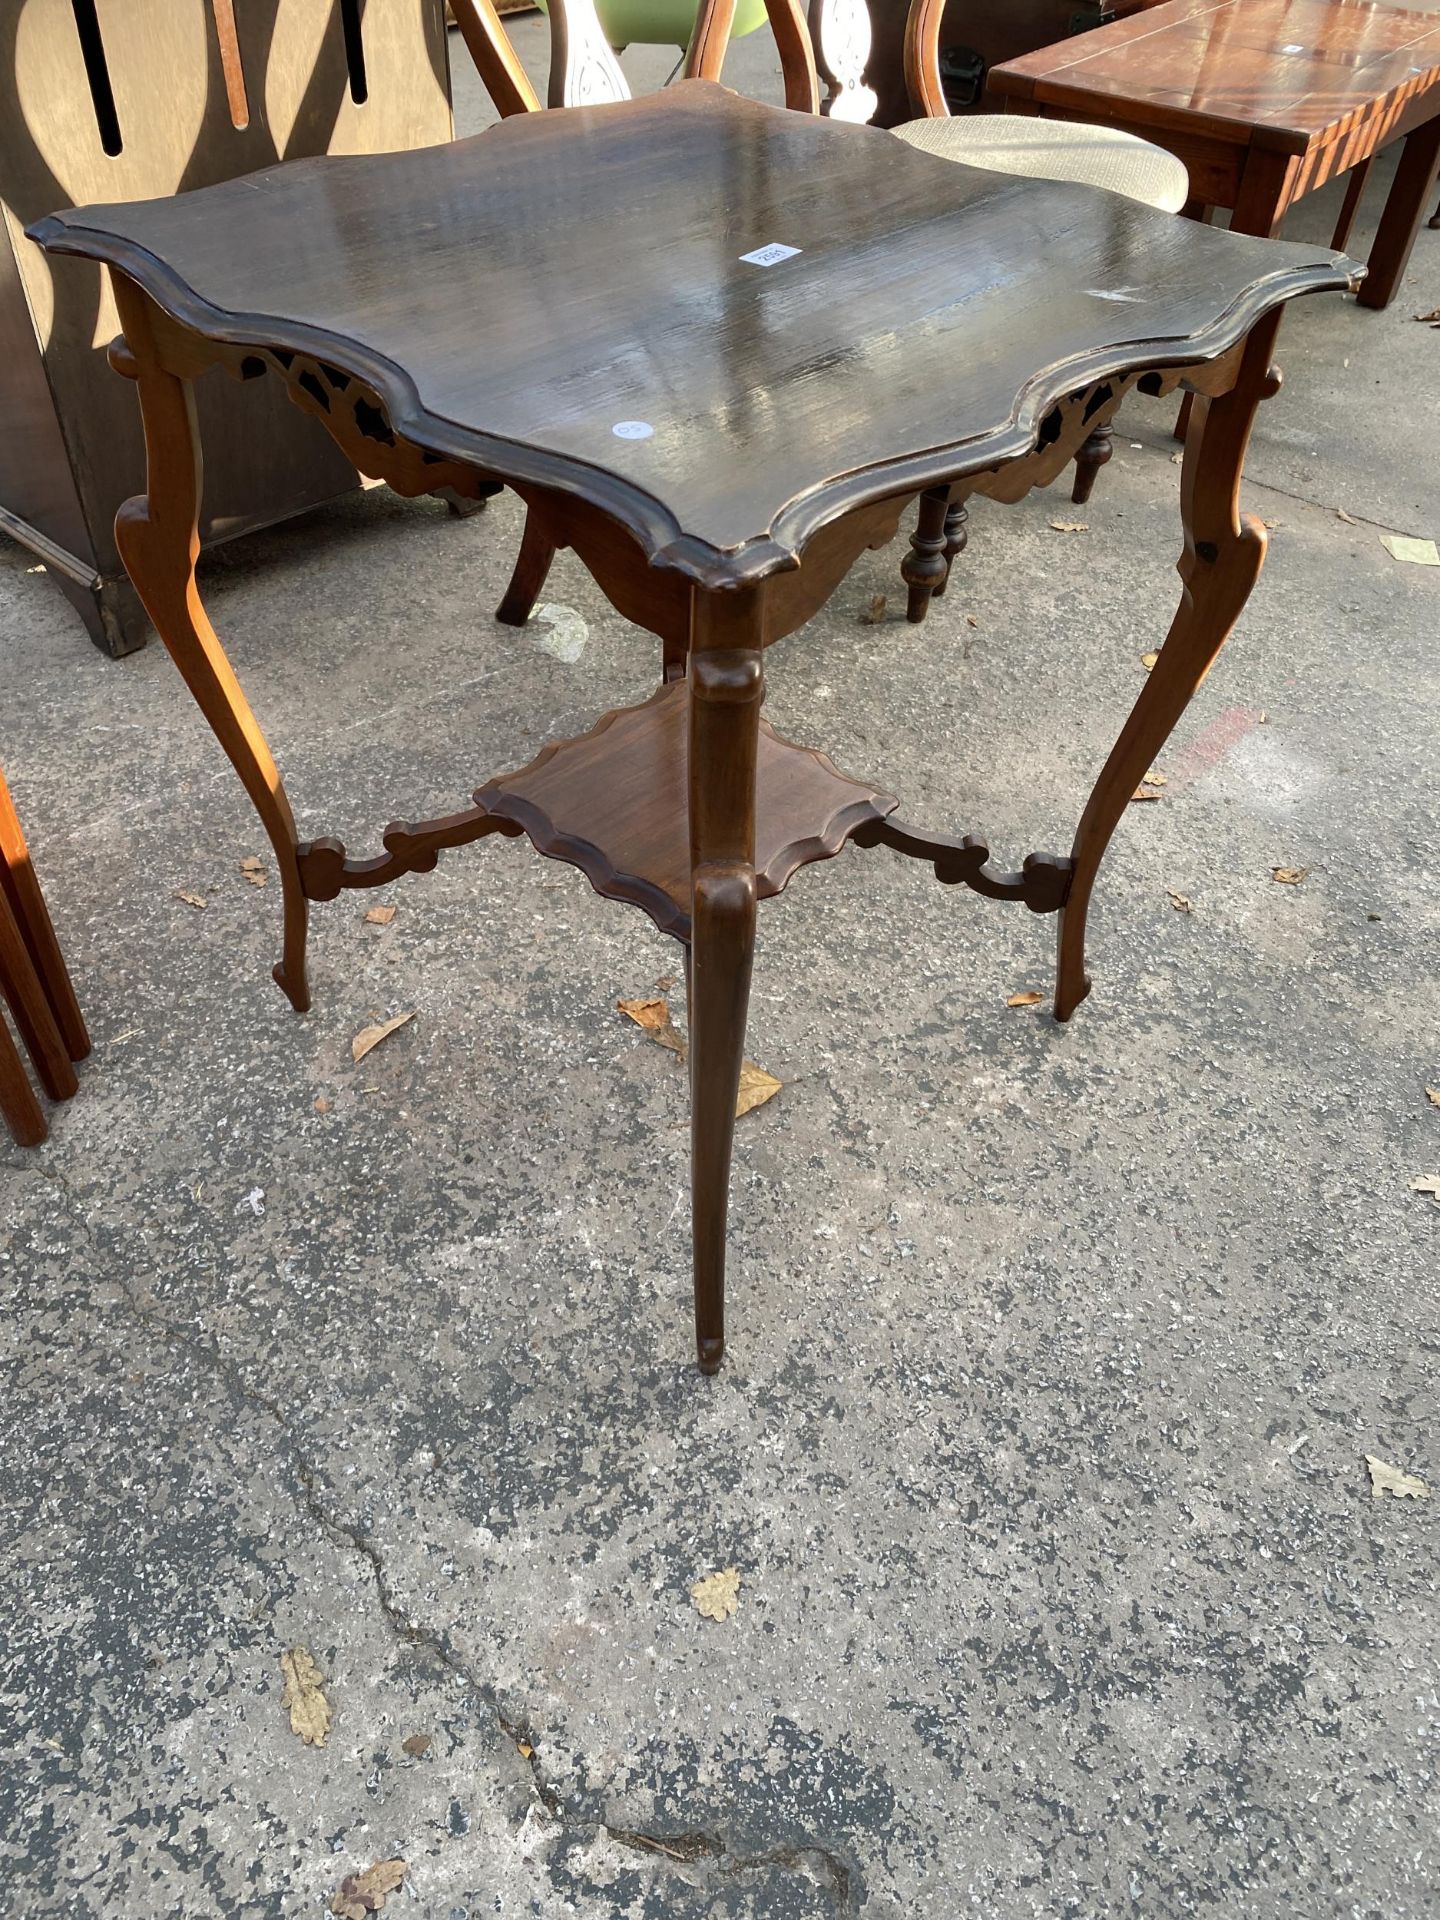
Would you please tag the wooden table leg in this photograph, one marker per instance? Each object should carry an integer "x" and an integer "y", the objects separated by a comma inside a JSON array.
[
  {"x": 159, "y": 541},
  {"x": 1224, "y": 551},
  {"x": 527, "y": 582},
  {"x": 1405, "y": 206},
  {"x": 1354, "y": 194},
  {"x": 18, "y": 1105},
  {"x": 925, "y": 567},
  {"x": 27, "y": 903},
  {"x": 34, "y": 1020},
  {"x": 727, "y": 680}
]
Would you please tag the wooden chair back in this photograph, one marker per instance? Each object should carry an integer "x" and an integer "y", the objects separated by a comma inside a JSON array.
[{"x": 830, "y": 42}]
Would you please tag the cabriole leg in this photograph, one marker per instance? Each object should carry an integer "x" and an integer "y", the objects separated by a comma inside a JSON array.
[
  {"x": 158, "y": 537},
  {"x": 727, "y": 683},
  {"x": 1224, "y": 551},
  {"x": 527, "y": 582}
]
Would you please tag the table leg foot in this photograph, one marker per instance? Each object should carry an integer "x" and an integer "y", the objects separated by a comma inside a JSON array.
[
  {"x": 158, "y": 537},
  {"x": 18, "y": 1106},
  {"x": 925, "y": 567},
  {"x": 527, "y": 582},
  {"x": 1223, "y": 554},
  {"x": 1094, "y": 453}
]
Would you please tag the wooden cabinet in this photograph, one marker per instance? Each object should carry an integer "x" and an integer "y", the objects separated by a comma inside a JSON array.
[{"x": 118, "y": 100}]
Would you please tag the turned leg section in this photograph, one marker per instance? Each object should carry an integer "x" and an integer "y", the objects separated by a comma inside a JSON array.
[
  {"x": 925, "y": 567},
  {"x": 159, "y": 541},
  {"x": 957, "y": 538},
  {"x": 527, "y": 582},
  {"x": 1094, "y": 453},
  {"x": 1224, "y": 551},
  {"x": 727, "y": 685}
]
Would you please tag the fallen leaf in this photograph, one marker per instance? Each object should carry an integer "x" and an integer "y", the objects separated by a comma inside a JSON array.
[
  {"x": 190, "y": 899},
  {"x": 1024, "y": 999},
  {"x": 1348, "y": 518},
  {"x": 380, "y": 916},
  {"x": 1071, "y": 526},
  {"x": 1147, "y": 660},
  {"x": 1387, "y": 1479},
  {"x": 322, "y": 1105},
  {"x": 1432, "y": 1094},
  {"x": 1270, "y": 525},
  {"x": 1431, "y": 319},
  {"x": 1418, "y": 553},
  {"x": 253, "y": 869},
  {"x": 361, "y": 1894},
  {"x": 1178, "y": 459},
  {"x": 1427, "y": 1183},
  {"x": 1144, "y": 793},
  {"x": 654, "y": 1017},
  {"x": 1155, "y": 778},
  {"x": 417, "y": 1744},
  {"x": 304, "y": 1696},
  {"x": 718, "y": 1594},
  {"x": 369, "y": 1037},
  {"x": 874, "y": 614},
  {"x": 756, "y": 1087},
  {"x": 1288, "y": 876},
  {"x": 524, "y": 1749},
  {"x": 1180, "y": 901},
  {"x": 665, "y": 982}
]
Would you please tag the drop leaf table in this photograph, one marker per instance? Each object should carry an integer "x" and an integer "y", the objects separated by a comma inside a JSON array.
[{"x": 717, "y": 348}]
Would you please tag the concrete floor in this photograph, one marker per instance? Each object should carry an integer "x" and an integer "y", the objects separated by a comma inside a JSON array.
[{"x": 1054, "y": 1353}]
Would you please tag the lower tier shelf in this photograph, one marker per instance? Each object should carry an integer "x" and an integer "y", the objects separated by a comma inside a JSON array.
[{"x": 614, "y": 802}]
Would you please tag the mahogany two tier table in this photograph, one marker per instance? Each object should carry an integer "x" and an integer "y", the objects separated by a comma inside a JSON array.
[
  {"x": 1264, "y": 101},
  {"x": 717, "y": 348}
]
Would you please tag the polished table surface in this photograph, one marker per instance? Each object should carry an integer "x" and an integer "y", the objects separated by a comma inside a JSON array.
[
  {"x": 718, "y": 349},
  {"x": 517, "y": 297}
]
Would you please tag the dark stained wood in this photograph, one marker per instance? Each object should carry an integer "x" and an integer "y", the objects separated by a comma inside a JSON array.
[
  {"x": 202, "y": 90},
  {"x": 32, "y": 918},
  {"x": 804, "y": 388},
  {"x": 19, "y": 1108},
  {"x": 941, "y": 331},
  {"x": 1264, "y": 101}
]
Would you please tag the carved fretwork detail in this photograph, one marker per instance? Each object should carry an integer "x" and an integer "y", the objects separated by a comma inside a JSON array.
[
  {"x": 410, "y": 847},
  {"x": 356, "y": 418},
  {"x": 1042, "y": 882},
  {"x": 841, "y": 32}
]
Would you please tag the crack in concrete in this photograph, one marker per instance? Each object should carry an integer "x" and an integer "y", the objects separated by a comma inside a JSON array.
[{"x": 688, "y": 1848}]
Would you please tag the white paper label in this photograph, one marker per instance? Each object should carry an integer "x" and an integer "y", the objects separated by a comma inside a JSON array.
[
  {"x": 770, "y": 256},
  {"x": 632, "y": 429}
]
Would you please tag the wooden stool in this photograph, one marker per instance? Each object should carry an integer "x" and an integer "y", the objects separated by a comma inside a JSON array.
[{"x": 36, "y": 988}]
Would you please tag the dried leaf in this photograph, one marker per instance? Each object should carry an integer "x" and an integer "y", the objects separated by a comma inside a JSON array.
[
  {"x": 654, "y": 1017},
  {"x": 1180, "y": 901},
  {"x": 665, "y": 982},
  {"x": 1271, "y": 525},
  {"x": 756, "y": 1087},
  {"x": 369, "y": 1037},
  {"x": 417, "y": 1744},
  {"x": 1432, "y": 1094},
  {"x": 1147, "y": 660},
  {"x": 380, "y": 916},
  {"x": 874, "y": 614},
  {"x": 1178, "y": 459},
  {"x": 322, "y": 1105},
  {"x": 1288, "y": 876},
  {"x": 190, "y": 899},
  {"x": 1387, "y": 1479},
  {"x": 1144, "y": 793},
  {"x": 1427, "y": 1183},
  {"x": 524, "y": 1749},
  {"x": 1024, "y": 999},
  {"x": 971, "y": 621},
  {"x": 253, "y": 869},
  {"x": 1071, "y": 526},
  {"x": 718, "y": 1594},
  {"x": 1348, "y": 518},
  {"x": 1431, "y": 319},
  {"x": 1155, "y": 778},
  {"x": 361, "y": 1894},
  {"x": 304, "y": 1696},
  {"x": 1418, "y": 553}
]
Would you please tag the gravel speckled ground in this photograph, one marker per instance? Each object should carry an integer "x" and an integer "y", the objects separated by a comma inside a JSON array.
[{"x": 1055, "y": 1354}]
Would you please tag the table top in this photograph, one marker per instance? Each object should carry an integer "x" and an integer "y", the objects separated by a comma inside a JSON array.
[
  {"x": 1281, "y": 73},
  {"x": 574, "y": 300}
]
